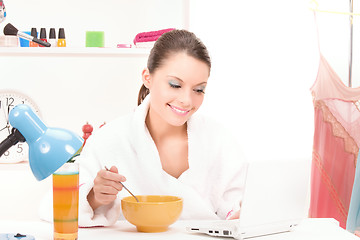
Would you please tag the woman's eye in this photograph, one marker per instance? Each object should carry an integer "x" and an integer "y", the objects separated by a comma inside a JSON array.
[
  {"x": 200, "y": 91},
  {"x": 173, "y": 85}
]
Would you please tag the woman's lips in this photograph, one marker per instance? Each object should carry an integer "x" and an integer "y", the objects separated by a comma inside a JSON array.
[{"x": 179, "y": 111}]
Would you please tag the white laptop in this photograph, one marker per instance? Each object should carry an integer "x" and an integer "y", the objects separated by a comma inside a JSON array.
[{"x": 275, "y": 201}]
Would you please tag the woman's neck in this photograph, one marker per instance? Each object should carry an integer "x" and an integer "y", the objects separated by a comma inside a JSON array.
[{"x": 160, "y": 129}]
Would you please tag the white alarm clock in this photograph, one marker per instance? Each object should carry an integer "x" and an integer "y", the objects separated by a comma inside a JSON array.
[{"x": 8, "y": 100}]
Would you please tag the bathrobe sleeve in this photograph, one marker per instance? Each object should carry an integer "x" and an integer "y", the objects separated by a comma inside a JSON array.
[
  {"x": 219, "y": 163},
  {"x": 231, "y": 177},
  {"x": 227, "y": 169},
  {"x": 101, "y": 216},
  {"x": 108, "y": 146},
  {"x": 90, "y": 164}
]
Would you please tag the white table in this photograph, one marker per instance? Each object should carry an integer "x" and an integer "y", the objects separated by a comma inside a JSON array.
[{"x": 309, "y": 229}]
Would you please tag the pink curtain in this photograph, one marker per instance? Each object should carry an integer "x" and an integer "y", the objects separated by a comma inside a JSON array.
[{"x": 335, "y": 146}]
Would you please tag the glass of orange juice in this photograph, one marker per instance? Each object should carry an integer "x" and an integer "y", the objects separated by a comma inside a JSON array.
[{"x": 66, "y": 201}]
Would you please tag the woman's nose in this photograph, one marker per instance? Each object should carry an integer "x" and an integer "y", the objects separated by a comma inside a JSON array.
[{"x": 185, "y": 98}]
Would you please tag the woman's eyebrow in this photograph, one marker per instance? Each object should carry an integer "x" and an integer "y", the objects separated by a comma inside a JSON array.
[
  {"x": 175, "y": 77},
  {"x": 201, "y": 83},
  {"x": 183, "y": 81}
]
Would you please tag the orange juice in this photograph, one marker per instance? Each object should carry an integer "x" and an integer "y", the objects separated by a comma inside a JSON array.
[{"x": 66, "y": 203}]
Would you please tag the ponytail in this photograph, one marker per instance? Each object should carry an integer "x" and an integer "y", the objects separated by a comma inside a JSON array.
[{"x": 144, "y": 91}]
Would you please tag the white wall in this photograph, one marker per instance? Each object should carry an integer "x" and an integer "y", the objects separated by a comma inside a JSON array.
[
  {"x": 120, "y": 19},
  {"x": 265, "y": 59},
  {"x": 72, "y": 89},
  {"x": 334, "y": 32}
]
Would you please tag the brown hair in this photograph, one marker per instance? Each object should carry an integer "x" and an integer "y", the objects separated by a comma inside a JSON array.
[{"x": 173, "y": 42}]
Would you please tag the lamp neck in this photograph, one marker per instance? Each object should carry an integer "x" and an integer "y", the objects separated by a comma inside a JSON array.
[
  {"x": 27, "y": 122},
  {"x": 11, "y": 140}
]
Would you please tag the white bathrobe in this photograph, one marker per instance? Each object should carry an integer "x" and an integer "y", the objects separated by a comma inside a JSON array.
[{"x": 211, "y": 187}]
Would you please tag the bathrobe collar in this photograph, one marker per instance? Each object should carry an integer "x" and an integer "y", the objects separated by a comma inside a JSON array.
[{"x": 147, "y": 145}]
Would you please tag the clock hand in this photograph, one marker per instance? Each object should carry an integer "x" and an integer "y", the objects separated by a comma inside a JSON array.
[
  {"x": 8, "y": 111},
  {"x": 4, "y": 112},
  {"x": 7, "y": 121}
]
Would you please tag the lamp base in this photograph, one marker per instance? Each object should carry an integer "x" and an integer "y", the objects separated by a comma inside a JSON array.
[{"x": 12, "y": 236}]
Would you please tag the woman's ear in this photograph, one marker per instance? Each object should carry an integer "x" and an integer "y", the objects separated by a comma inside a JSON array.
[{"x": 146, "y": 77}]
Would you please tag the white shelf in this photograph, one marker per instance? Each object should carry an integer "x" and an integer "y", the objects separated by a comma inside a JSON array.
[{"x": 68, "y": 51}]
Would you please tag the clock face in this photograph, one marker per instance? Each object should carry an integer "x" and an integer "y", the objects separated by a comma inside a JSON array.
[{"x": 8, "y": 100}]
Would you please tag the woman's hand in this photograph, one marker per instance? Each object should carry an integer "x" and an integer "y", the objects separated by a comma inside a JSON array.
[
  {"x": 233, "y": 214},
  {"x": 106, "y": 187}
]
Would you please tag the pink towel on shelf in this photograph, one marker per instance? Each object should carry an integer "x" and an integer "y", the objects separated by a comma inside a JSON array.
[{"x": 150, "y": 36}]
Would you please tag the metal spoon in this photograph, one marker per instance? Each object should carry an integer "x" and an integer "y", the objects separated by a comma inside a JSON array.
[{"x": 125, "y": 187}]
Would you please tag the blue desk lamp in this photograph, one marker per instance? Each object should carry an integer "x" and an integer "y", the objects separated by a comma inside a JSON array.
[{"x": 49, "y": 148}]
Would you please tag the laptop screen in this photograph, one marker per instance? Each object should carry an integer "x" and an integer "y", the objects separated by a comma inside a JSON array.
[{"x": 275, "y": 191}]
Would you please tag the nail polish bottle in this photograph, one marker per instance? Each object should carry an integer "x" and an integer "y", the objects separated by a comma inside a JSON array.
[
  {"x": 34, "y": 34},
  {"x": 43, "y": 36},
  {"x": 52, "y": 37},
  {"x": 2, "y": 11},
  {"x": 61, "y": 38}
]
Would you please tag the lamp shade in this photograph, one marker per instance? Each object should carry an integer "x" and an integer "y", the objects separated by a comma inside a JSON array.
[{"x": 49, "y": 148}]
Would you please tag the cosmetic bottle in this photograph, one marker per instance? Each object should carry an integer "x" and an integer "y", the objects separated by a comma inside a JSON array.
[
  {"x": 2, "y": 11},
  {"x": 43, "y": 36},
  {"x": 61, "y": 38},
  {"x": 34, "y": 34},
  {"x": 52, "y": 37}
]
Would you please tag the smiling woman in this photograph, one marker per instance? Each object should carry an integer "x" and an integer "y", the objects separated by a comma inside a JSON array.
[
  {"x": 163, "y": 147},
  {"x": 175, "y": 86},
  {"x": 186, "y": 42}
]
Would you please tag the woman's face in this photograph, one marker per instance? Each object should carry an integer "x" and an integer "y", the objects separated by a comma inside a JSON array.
[{"x": 177, "y": 88}]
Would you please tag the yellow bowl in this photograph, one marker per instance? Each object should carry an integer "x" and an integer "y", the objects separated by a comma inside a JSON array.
[{"x": 153, "y": 213}]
